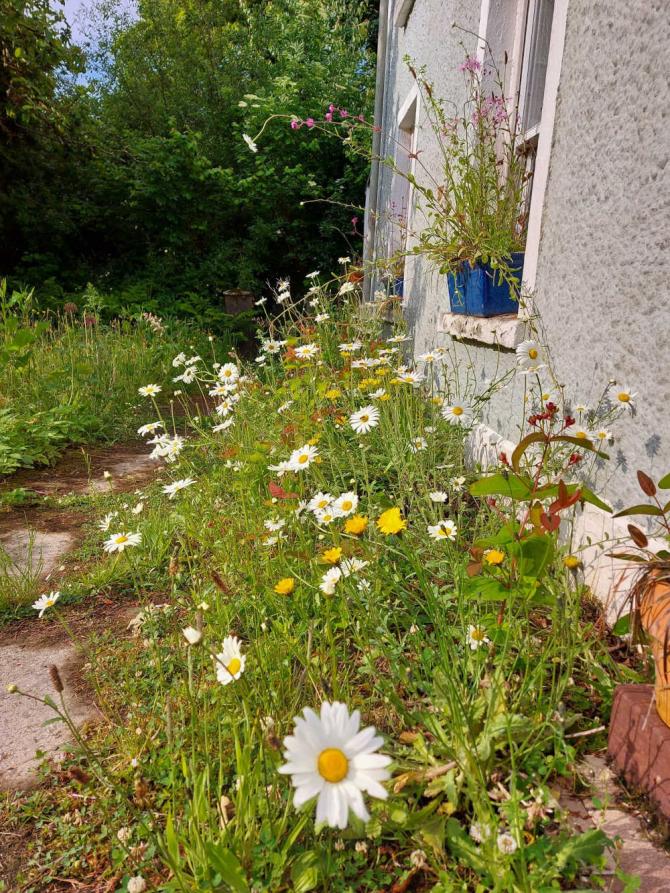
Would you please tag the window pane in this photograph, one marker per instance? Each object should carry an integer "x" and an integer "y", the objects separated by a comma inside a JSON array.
[{"x": 539, "y": 35}]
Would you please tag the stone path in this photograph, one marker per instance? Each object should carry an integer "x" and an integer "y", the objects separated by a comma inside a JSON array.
[
  {"x": 639, "y": 852},
  {"x": 36, "y": 540}
]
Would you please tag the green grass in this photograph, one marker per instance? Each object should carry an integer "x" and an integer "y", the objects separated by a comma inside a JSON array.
[
  {"x": 78, "y": 384},
  {"x": 187, "y": 768}
]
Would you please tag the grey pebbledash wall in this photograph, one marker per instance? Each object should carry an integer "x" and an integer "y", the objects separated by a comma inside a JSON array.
[{"x": 603, "y": 271}]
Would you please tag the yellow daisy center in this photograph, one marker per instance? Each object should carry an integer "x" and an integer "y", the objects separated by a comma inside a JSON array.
[
  {"x": 581, "y": 435},
  {"x": 234, "y": 666},
  {"x": 302, "y": 459},
  {"x": 624, "y": 397},
  {"x": 323, "y": 503},
  {"x": 365, "y": 418},
  {"x": 49, "y": 602},
  {"x": 457, "y": 410},
  {"x": 122, "y": 539},
  {"x": 532, "y": 353},
  {"x": 347, "y": 505},
  {"x": 332, "y": 765},
  {"x": 478, "y": 634}
]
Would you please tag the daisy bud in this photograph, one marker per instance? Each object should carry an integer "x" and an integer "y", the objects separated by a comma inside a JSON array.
[
  {"x": 56, "y": 681},
  {"x": 12, "y": 689},
  {"x": 192, "y": 635},
  {"x": 137, "y": 884}
]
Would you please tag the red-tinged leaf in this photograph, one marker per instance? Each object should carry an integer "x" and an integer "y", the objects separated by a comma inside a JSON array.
[
  {"x": 638, "y": 536},
  {"x": 278, "y": 492},
  {"x": 562, "y": 493},
  {"x": 474, "y": 568},
  {"x": 550, "y": 522},
  {"x": 647, "y": 486}
]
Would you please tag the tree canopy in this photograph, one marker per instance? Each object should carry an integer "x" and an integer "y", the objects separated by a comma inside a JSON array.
[{"x": 137, "y": 176}]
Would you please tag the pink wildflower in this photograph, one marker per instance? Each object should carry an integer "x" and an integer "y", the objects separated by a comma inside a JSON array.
[
  {"x": 309, "y": 122},
  {"x": 295, "y": 125}
]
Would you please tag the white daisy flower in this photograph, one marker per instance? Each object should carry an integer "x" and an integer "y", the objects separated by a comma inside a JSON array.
[
  {"x": 531, "y": 355},
  {"x": 274, "y": 524},
  {"x": 313, "y": 274},
  {"x": 397, "y": 339},
  {"x": 350, "y": 566},
  {"x": 222, "y": 390},
  {"x": 429, "y": 357},
  {"x": 105, "y": 523},
  {"x": 346, "y": 287},
  {"x": 330, "y": 580},
  {"x": 228, "y": 372},
  {"x": 172, "y": 489},
  {"x": 417, "y": 444},
  {"x": 321, "y": 317},
  {"x": 365, "y": 419},
  {"x": 273, "y": 346},
  {"x": 150, "y": 390},
  {"x": 117, "y": 542},
  {"x": 250, "y": 143},
  {"x": 350, "y": 346},
  {"x": 282, "y": 409},
  {"x": 46, "y": 601},
  {"x": 325, "y": 516},
  {"x": 456, "y": 482},
  {"x": 443, "y": 530},
  {"x": 477, "y": 637},
  {"x": 303, "y": 458},
  {"x": 228, "y": 423},
  {"x": 230, "y": 661},
  {"x": 319, "y": 502},
  {"x": 344, "y": 260},
  {"x": 179, "y": 360},
  {"x": 149, "y": 428},
  {"x": 506, "y": 843},
  {"x": 192, "y": 635},
  {"x": 438, "y": 496},
  {"x": 329, "y": 758},
  {"x": 281, "y": 468},
  {"x": 187, "y": 376},
  {"x": 458, "y": 413},
  {"x": 378, "y": 394},
  {"x": 603, "y": 435},
  {"x": 581, "y": 408},
  {"x": 306, "y": 351},
  {"x": 345, "y": 504},
  {"x": 625, "y": 396},
  {"x": 138, "y": 509},
  {"x": 581, "y": 433},
  {"x": 411, "y": 377}
]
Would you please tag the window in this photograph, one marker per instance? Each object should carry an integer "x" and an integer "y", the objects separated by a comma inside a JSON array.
[{"x": 532, "y": 40}]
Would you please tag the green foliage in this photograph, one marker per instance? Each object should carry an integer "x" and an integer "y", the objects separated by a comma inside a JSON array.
[{"x": 151, "y": 192}]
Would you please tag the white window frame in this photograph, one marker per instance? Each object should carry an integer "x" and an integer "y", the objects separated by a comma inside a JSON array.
[{"x": 407, "y": 121}]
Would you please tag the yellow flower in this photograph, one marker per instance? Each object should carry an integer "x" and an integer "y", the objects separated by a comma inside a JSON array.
[
  {"x": 333, "y": 394},
  {"x": 332, "y": 556},
  {"x": 356, "y": 525},
  {"x": 285, "y": 586},
  {"x": 391, "y": 521},
  {"x": 572, "y": 562},
  {"x": 382, "y": 372},
  {"x": 494, "y": 556},
  {"x": 314, "y": 440},
  {"x": 384, "y": 397}
]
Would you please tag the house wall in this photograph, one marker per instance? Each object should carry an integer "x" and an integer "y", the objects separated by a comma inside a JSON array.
[{"x": 602, "y": 272}]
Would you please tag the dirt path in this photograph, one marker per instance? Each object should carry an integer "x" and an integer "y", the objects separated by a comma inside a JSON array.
[{"x": 35, "y": 541}]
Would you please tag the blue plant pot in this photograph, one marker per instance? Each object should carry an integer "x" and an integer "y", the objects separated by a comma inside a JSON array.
[
  {"x": 480, "y": 291},
  {"x": 399, "y": 286}
]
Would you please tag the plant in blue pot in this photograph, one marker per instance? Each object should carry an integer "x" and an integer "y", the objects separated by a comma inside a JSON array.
[{"x": 475, "y": 228}]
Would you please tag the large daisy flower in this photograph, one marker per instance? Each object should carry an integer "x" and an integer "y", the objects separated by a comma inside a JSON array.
[
  {"x": 345, "y": 504},
  {"x": 46, "y": 601},
  {"x": 444, "y": 530},
  {"x": 228, "y": 372},
  {"x": 457, "y": 413},
  {"x": 302, "y": 458},
  {"x": 531, "y": 356},
  {"x": 117, "y": 542},
  {"x": 365, "y": 419},
  {"x": 174, "y": 488},
  {"x": 319, "y": 502},
  {"x": 329, "y": 758},
  {"x": 230, "y": 661},
  {"x": 306, "y": 351},
  {"x": 149, "y": 390}
]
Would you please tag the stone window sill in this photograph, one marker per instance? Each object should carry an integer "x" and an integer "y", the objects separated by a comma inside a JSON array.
[{"x": 505, "y": 331}]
